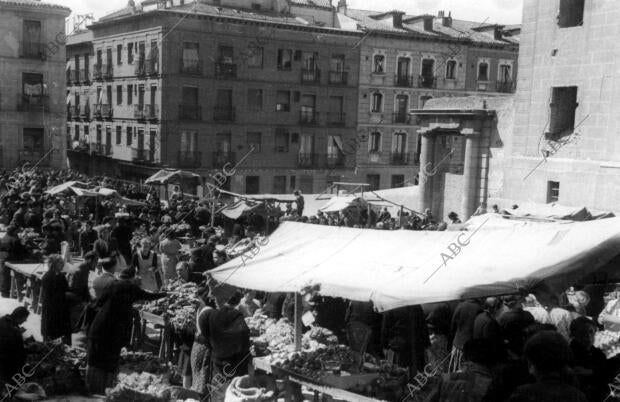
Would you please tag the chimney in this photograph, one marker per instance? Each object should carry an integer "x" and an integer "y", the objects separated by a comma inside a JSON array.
[
  {"x": 440, "y": 14},
  {"x": 428, "y": 23},
  {"x": 447, "y": 21},
  {"x": 342, "y": 6},
  {"x": 498, "y": 33},
  {"x": 397, "y": 19}
]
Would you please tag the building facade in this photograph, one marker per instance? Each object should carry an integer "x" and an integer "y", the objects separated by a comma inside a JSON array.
[
  {"x": 32, "y": 64},
  {"x": 407, "y": 60},
  {"x": 197, "y": 86},
  {"x": 567, "y": 132}
]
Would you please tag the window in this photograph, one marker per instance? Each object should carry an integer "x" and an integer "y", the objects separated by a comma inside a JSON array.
[
  {"x": 189, "y": 140},
  {"x": 283, "y": 101},
  {"x": 378, "y": 66},
  {"x": 33, "y": 139},
  {"x": 504, "y": 73},
  {"x": 77, "y": 133},
  {"x": 451, "y": 69},
  {"x": 130, "y": 53},
  {"x": 483, "y": 71},
  {"x": 255, "y": 100},
  {"x": 571, "y": 13},
  {"x": 129, "y": 94},
  {"x": 399, "y": 143},
  {"x": 562, "y": 113},
  {"x": 375, "y": 142},
  {"x": 98, "y": 133},
  {"x": 553, "y": 191},
  {"x": 374, "y": 180},
  {"x": 119, "y": 54},
  {"x": 190, "y": 56},
  {"x": 119, "y": 94},
  {"x": 334, "y": 147},
  {"x": 119, "y": 135},
  {"x": 31, "y": 43},
  {"x": 255, "y": 56},
  {"x": 86, "y": 132},
  {"x": 189, "y": 95},
  {"x": 336, "y": 63},
  {"x": 108, "y": 92},
  {"x": 293, "y": 182},
  {"x": 32, "y": 85},
  {"x": 309, "y": 60},
  {"x": 279, "y": 184},
  {"x": 225, "y": 54},
  {"x": 285, "y": 59},
  {"x": 281, "y": 140},
  {"x": 398, "y": 180},
  {"x": 377, "y": 103},
  {"x": 129, "y": 136},
  {"x": 252, "y": 184},
  {"x": 306, "y": 184},
  {"x": 254, "y": 140}
]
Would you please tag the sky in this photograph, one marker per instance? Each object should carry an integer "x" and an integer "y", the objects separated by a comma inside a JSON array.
[{"x": 497, "y": 11}]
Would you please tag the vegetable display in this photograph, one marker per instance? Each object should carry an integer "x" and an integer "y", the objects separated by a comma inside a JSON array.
[{"x": 179, "y": 308}]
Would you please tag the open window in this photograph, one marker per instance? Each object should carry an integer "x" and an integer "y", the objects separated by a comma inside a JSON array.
[
  {"x": 377, "y": 102},
  {"x": 562, "y": 111},
  {"x": 553, "y": 191},
  {"x": 571, "y": 13}
]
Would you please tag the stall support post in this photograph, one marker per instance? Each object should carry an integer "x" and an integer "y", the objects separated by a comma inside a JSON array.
[{"x": 298, "y": 324}]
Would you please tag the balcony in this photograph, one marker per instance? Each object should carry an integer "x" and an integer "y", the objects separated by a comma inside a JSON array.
[
  {"x": 506, "y": 86},
  {"x": 151, "y": 112},
  {"x": 427, "y": 81},
  {"x": 32, "y": 50},
  {"x": 307, "y": 160},
  {"x": 98, "y": 72},
  {"x": 310, "y": 76},
  {"x": 220, "y": 159},
  {"x": 399, "y": 158},
  {"x": 308, "y": 117},
  {"x": 190, "y": 112},
  {"x": 140, "y": 68},
  {"x": 223, "y": 113},
  {"x": 29, "y": 103},
  {"x": 225, "y": 70},
  {"x": 142, "y": 155},
  {"x": 403, "y": 80},
  {"x": 338, "y": 77},
  {"x": 401, "y": 118},
  {"x": 103, "y": 111},
  {"x": 107, "y": 71},
  {"x": 336, "y": 119},
  {"x": 152, "y": 66},
  {"x": 191, "y": 67},
  {"x": 73, "y": 112},
  {"x": 335, "y": 160},
  {"x": 189, "y": 159},
  {"x": 138, "y": 112}
]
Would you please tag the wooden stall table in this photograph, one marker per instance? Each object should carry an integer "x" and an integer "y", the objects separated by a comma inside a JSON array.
[
  {"x": 160, "y": 323},
  {"x": 293, "y": 383},
  {"x": 28, "y": 275}
]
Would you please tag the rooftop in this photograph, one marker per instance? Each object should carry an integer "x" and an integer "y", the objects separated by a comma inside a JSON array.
[{"x": 33, "y": 4}]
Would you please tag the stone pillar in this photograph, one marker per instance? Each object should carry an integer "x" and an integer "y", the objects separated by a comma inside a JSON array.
[
  {"x": 427, "y": 165},
  {"x": 471, "y": 173}
]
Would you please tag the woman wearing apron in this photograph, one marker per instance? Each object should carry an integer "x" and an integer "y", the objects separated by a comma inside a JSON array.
[
  {"x": 145, "y": 264},
  {"x": 200, "y": 358}
]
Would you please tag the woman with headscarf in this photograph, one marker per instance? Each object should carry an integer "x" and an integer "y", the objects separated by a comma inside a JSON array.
[
  {"x": 200, "y": 357},
  {"x": 55, "y": 307}
]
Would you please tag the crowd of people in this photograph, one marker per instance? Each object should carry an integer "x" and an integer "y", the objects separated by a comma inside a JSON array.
[{"x": 539, "y": 348}]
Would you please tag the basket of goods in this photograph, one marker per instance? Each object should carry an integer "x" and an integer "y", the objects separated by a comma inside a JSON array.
[{"x": 139, "y": 387}]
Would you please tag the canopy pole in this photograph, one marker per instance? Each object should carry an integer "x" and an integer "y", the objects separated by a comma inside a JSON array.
[{"x": 298, "y": 323}]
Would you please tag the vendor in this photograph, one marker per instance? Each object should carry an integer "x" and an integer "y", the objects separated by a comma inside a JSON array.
[
  {"x": 170, "y": 248},
  {"x": 108, "y": 332},
  {"x": 12, "y": 353},
  {"x": 145, "y": 263},
  {"x": 13, "y": 250}
]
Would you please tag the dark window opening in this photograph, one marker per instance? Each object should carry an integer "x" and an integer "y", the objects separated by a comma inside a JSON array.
[
  {"x": 398, "y": 180},
  {"x": 252, "y": 184},
  {"x": 571, "y": 13},
  {"x": 562, "y": 111},
  {"x": 374, "y": 180},
  {"x": 553, "y": 191}
]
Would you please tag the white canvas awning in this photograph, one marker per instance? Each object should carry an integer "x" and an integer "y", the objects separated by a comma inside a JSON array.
[{"x": 399, "y": 268}]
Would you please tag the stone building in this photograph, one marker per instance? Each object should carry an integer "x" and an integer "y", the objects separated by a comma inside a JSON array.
[
  {"x": 32, "y": 83},
  {"x": 407, "y": 60},
  {"x": 566, "y": 139},
  {"x": 196, "y": 86}
]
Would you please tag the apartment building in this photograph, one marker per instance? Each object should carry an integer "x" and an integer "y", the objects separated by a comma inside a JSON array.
[
  {"x": 407, "y": 60},
  {"x": 196, "y": 86},
  {"x": 32, "y": 84},
  {"x": 566, "y": 141}
]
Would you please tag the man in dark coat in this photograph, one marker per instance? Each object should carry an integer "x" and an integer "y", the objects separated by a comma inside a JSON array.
[
  {"x": 55, "y": 307},
  {"x": 405, "y": 332},
  {"x": 122, "y": 234},
  {"x": 12, "y": 352},
  {"x": 485, "y": 325},
  {"x": 87, "y": 237},
  {"x": 14, "y": 251},
  {"x": 108, "y": 331}
]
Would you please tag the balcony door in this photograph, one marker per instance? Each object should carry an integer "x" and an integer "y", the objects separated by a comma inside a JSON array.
[
  {"x": 33, "y": 87},
  {"x": 308, "y": 107},
  {"x": 428, "y": 68},
  {"x": 226, "y": 54},
  {"x": 399, "y": 143},
  {"x": 33, "y": 140},
  {"x": 310, "y": 61},
  {"x": 108, "y": 56},
  {"x": 141, "y": 139},
  {"x": 306, "y": 150},
  {"x": 402, "y": 67},
  {"x": 402, "y": 106},
  {"x": 222, "y": 143},
  {"x": 337, "y": 64},
  {"x": 32, "y": 38},
  {"x": 223, "y": 99},
  {"x": 153, "y": 97}
]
